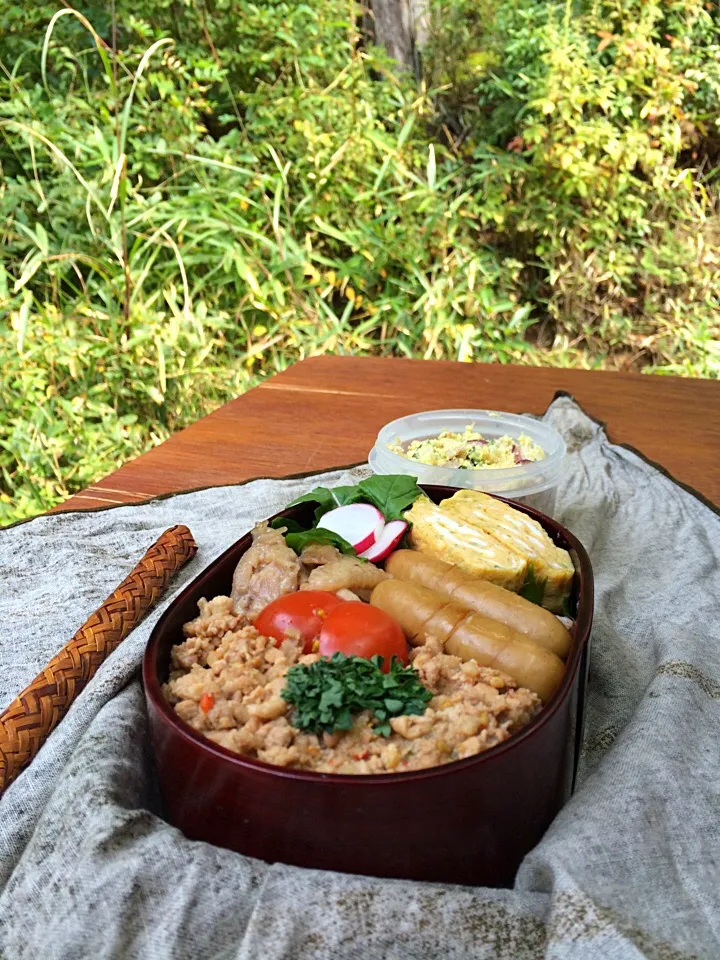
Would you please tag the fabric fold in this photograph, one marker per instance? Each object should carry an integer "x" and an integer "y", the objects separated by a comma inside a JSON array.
[{"x": 628, "y": 869}]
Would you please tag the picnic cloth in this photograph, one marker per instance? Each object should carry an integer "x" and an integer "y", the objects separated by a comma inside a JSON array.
[{"x": 630, "y": 868}]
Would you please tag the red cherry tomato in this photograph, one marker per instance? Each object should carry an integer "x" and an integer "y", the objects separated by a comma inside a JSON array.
[
  {"x": 359, "y": 630},
  {"x": 297, "y": 615}
]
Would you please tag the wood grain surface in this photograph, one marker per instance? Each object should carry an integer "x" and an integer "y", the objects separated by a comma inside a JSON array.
[{"x": 327, "y": 411}]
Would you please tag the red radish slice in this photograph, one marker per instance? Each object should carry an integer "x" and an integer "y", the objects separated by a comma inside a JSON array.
[
  {"x": 386, "y": 542},
  {"x": 358, "y": 523}
]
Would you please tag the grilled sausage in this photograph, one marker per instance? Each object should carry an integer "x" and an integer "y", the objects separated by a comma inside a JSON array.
[
  {"x": 534, "y": 622},
  {"x": 424, "y": 613}
]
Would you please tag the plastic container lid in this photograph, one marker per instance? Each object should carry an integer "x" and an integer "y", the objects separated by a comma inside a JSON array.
[{"x": 523, "y": 480}]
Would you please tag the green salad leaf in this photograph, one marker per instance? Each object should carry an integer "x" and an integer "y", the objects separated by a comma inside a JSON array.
[
  {"x": 533, "y": 588},
  {"x": 300, "y": 539},
  {"x": 326, "y": 694},
  {"x": 391, "y": 494},
  {"x": 327, "y": 499},
  {"x": 297, "y": 537},
  {"x": 347, "y": 494},
  {"x": 322, "y": 496},
  {"x": 290, "y": 526}
]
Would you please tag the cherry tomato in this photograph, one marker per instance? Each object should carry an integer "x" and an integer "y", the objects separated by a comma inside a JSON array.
[
  {"x": 297, "y": 615},
  {"x": 359, "y": 630}
]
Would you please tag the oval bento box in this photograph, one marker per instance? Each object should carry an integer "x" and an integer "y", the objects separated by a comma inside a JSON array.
[{"x": 469, "y": 821}]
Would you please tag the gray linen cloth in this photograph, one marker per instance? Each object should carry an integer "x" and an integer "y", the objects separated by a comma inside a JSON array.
[{"x": 629, "y": 869}]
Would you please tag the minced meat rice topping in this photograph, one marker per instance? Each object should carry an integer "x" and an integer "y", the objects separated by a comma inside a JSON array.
[{"x": 226, "y": 682}]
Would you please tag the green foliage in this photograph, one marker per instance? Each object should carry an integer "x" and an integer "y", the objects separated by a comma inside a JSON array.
[
  {"x": 246, "y": 184},
  {"x": 391, "y": 493},
  {"x": 82, "y": 393},
  {"x": 179, "y": 220},
  {"x": 299, "y": 539},
  {"x": 592, "y": 131}
]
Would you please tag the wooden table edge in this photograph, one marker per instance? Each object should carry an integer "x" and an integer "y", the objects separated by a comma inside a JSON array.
[{"x": 305, "y": 379}]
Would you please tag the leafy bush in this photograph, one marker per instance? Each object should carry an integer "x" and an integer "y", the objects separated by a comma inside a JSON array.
[
  {"x": 165, "y": 252},
  {"x": 592, "y": 133},
  {"x": 186, "y": 216}
]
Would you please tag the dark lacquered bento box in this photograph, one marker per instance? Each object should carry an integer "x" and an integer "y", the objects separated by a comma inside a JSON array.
[{"x": 470, "y": 821}]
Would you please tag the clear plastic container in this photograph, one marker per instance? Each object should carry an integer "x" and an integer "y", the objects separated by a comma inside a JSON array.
[{"x": 534, "y": 484}]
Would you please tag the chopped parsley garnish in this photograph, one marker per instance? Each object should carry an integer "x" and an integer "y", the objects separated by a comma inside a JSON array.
[{"x": 326, "y": 694}]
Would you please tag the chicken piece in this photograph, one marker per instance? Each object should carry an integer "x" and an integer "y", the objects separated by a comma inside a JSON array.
[
  {"x": 318, "y": 554},
  {"x": 346, "y": 573},
  {"x": 346, "y": 594},
  {"x": 267, "y": 570}
]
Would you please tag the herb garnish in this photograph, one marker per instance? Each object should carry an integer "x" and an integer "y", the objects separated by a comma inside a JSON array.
[
  {"x": 390, "y": 493},
  {"x": 327, "y": 693}
]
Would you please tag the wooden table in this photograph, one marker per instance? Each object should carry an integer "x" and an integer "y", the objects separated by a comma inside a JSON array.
[{"x": 326, "y": 412}]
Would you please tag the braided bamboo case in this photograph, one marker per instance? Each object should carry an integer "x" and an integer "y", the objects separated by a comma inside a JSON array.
[{"x": 31, "y": 717}]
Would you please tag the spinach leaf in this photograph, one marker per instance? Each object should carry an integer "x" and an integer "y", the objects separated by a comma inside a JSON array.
[
  {"x": 391, "y": 493},
  {"x": 297, "y": 537},
  {"x": 327, "y": 499},
  {"x": 327, "y": 693},
  {"x": 301, "y": 538},
  {"x": 320, "y": 495},
  {"x": 292, "y": 526},
  {"x": 345, "y": 495},
  {"x": 533, "y": 588}
]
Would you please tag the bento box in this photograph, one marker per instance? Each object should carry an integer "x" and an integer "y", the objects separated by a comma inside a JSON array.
[{"x": 469, "y": 821}]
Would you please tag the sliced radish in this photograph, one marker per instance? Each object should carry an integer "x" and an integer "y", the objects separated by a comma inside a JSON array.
[
  {"x": 358, "y": 523},
  {"x": 386, "y": 542}
]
